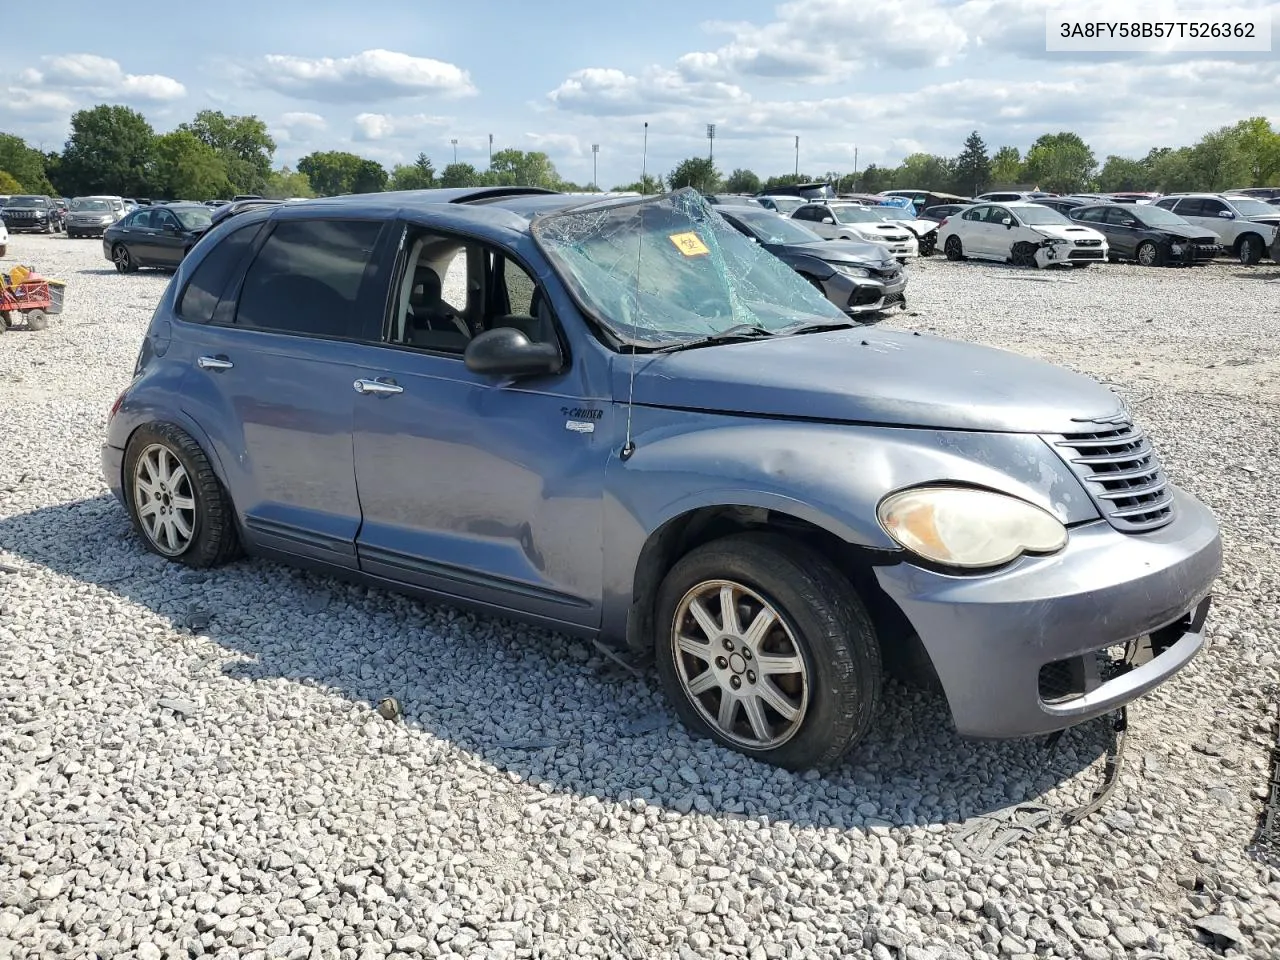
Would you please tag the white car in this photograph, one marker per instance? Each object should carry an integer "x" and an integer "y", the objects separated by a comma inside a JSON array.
[
  {"x": 4, "y": 240},
  {"x": 925, "y": 231},
  {"x": 852, "y": 221},
  {"x": 1024, "y": 234},
  {"x": 1248, "y": 227}
]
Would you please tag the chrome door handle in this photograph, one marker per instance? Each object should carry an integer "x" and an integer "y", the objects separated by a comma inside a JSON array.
[
  {"x": 214, "y": 363},
  {"x": 377, "y": 388}
]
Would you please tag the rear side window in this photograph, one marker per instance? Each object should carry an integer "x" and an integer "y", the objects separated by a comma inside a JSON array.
[
  {"x": 306, "y": 278},
  {"x": 204, "y": 289}
]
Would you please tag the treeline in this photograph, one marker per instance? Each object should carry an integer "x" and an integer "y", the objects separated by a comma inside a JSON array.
[{"x": 113, "y": 149}]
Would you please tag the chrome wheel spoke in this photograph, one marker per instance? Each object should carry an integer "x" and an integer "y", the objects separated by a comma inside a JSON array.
[
  {"x": 708, "y": 624},
  {"x": 148, "y": 509},
  {"x": 728, "y": 711},
  {"x": 694, "y": 647},
  {"x": 704, "y": 682},
  {"x": 772, "y": 664},
  {"x": 777, "y": 700},
  {"x": 755, "y": 716},
  {"x": 181, "y": 525},
  {"x": 184, "y": 503},
  {"x": 760, "y": 628},
  {"x": 729, "y": 611}
]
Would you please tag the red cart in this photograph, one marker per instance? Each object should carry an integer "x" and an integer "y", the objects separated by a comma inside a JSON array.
[{"x": 34, "y": 299}]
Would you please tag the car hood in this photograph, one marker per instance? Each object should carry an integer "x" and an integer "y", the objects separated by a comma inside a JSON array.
[
  {"x": 1066, "y": 231},
  {"x": 1271, "y": 219},
  {"x": 872, "y": 229},
  {"x": 1187, "y": 232},
  {"x": 916, "y": 226},
  {"x": 887, "y": 377},
  {"x": 855, "y": 252}
]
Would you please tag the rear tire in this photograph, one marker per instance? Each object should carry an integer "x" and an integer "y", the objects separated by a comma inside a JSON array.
[
  {"x": 175, "y": 500},
  {"x": 953, "y": 248},
  {"x": 795, "y": 618},
  {"x": 36, "y": 320}
]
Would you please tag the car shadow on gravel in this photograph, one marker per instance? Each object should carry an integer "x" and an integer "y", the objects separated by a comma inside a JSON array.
[{"x": 539, "y": 705}]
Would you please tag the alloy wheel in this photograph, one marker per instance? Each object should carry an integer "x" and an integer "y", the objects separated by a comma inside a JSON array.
[
  {"x": 120, "y": 256},
  {"x": 164, "y": 500},
  {"x": 740, "y": 664}
]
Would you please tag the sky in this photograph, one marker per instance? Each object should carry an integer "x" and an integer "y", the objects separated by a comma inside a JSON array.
[{"x": 390, "y": 78}]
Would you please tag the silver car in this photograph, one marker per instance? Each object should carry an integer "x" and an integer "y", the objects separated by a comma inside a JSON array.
[{"x": 90, "y": 216}]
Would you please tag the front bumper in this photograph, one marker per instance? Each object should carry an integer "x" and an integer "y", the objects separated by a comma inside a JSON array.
[
  {"x": 1048, "y": 255},
  {"x": 28, "y": 226},
  {"x": 991, "y": 637}
]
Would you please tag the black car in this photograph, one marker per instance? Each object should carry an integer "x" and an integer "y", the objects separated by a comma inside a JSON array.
[
  {"x": 941, "y": 211},
  {"x": 1068, "y": 205},
  {"x": 155, "y": 236},
  {"x": 1151, "y": 235},
  {"x": 862, "y": 279},
  {"x": 236, "y": 207},
  {"x": 28, "y": 213}
]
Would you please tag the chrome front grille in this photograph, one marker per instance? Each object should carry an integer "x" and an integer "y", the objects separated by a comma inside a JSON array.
[
  {"x": 1088, "y": 243},
  {"x": 1121, "y": 472}
]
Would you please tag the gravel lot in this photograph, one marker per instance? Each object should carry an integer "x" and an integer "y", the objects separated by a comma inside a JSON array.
[{"x": 192, "y": 764}]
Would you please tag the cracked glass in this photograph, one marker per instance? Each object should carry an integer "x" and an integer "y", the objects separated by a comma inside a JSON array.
[{"x": 662, "y": 270}]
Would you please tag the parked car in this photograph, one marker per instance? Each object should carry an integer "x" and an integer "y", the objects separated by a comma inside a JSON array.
[
  {"x": 1152, "y": 236},
  {"x": 236, "y": 207},
  {"x": 943, "y": 210},
  {"x": 1275, "y": 247},
  {"x": 783, "y": 205},
  {"x": 1011, "y": 196},
  {"x": 155, "y": 236},
  {"x": 862, "y": 279},
  {"x": 632, "y": 424},
  {"x": 4, "y": 239},
  {"x": 814, "y": 190},
  {"x": 923, "y": 199},
  {"x": 925, "y": 231},
  {"x": 852, "y": 221},
  {"x": 1024, "y": 234},
  {"x": 1269, "y": 194},
  {"x": 1065, "y": 205},
  {"x": 90, "y": 216},
  {"x": 31, "y": 213},
  {"x": 1135, "y": 197},
  {"x": 1247, "y": 226},
  {"x": 733, "y": 199}
]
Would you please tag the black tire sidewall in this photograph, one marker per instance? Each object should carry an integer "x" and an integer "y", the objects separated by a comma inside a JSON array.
[
  {"x": 953, "y": 248},
  {"x": 833, "y": 632},
  {"x": 209, "y": 545}
]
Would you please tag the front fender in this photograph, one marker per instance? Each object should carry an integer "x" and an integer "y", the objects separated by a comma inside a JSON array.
[{"x": 830, "y": 475}]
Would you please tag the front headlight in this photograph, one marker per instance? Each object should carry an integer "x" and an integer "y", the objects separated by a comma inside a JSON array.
[
  {"x": 1054, "y": 241},
  {"x": 849, "y": 271},
  {"x": 965, "y": 527}
]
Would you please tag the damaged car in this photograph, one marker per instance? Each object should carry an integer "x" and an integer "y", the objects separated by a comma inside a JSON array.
[
  {"x": 1149, "y": 235},
  {"x": 862, "y": 279},
  {"x": 853, "y": 221},
  {"x": 1023, "y": 233},
  {"x": 621, "y": 419}
]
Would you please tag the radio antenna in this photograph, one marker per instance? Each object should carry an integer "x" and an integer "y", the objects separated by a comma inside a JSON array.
[{"x": 629, "y": 447}]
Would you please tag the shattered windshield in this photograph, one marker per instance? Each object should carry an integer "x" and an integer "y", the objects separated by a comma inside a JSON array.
[{"x": 662, "y": 270}]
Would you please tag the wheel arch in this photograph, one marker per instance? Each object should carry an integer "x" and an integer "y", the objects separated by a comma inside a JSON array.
[
  {"x": 901, "y": 650},
  {"x": 146, "y": 415}
]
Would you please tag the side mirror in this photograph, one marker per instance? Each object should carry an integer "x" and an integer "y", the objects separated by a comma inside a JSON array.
[
  {"x": 1008, "y": 223},
  {"x": 1226, "y": 215},
  {"x": 828, "y": 218},
  {"x": 506, "y": 351},
  {"x": 170, "y": 229}
]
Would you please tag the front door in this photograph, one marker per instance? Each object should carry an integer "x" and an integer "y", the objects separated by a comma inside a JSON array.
[
  {"x": 270, "y": 379},
  {"x": 169, "y": 239},
  {"x": 479, "y": 487}
]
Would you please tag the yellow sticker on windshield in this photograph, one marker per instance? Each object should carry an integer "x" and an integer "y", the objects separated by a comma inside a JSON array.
[{"x": 690, "y": 244}]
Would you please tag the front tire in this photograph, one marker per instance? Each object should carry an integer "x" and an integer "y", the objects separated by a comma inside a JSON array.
[
  {"x": 37, "y": 320},
  {"x": 1249, "y": 249},
  {"x": 1149, "y": 254},
  {"x": 953, "y": 248},
  {"x": 764, "y": 646},
  {"x": 175, "y": 500},
  {"x": 123, "y": 259}
]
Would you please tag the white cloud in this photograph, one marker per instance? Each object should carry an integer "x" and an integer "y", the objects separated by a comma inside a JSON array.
[
  {"x": 556, "y": 144},
  {"x": 39, "y": 103},
  {"x": 385, "y": 126},
  {"x": 92, "y": 75},
  {"x": 370, "y": 75},
  {"x": 612, "y": 92},
  {"x": 298, "y": 127}
]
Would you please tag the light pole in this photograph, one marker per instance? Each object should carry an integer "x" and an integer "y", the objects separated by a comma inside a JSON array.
[
  {"x": 711, "y": 152},
  {"x": 797, "y": 159},
  {"x": 455, "y": 150},
  {"x": 491, "y": 151},
  {"x": 595, "y": 172}
]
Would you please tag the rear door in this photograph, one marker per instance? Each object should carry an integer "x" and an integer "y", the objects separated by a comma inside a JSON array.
[
  {"x": 271, "y": 378},
  {"x": 975, "y": 232},
  {"x": 140, "y": 237},
  {"x": 1198, "y": 211}
]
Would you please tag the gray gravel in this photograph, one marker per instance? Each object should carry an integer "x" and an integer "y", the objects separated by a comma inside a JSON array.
[{"x": 196, "y": 764}]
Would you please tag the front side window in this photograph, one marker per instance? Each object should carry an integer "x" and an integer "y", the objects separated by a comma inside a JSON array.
[
  {"x": 664, "y": 270},
  {"x": 306, "y": 279},
  {"x": 1210, "y": 207}
]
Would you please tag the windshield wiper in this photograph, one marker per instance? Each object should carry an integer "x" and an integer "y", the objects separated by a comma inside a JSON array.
[
  {"x": 734, "y": 334},
  {"x": 817, "y": 327}
]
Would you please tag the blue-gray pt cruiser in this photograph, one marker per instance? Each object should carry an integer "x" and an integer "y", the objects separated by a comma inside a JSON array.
[{"x": 619, "y": 418}]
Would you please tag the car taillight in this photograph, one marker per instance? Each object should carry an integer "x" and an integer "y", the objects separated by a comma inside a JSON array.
[
  {"x": 115, "y": 407},
  {"x": 943, "y": 222}
]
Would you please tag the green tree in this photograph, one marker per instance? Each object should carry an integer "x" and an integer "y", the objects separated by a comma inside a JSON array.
[
  {"x": 742, "y": 181},
  {"x": 698, "y": 172},
  {"x": 8, "y": 184},
  {"x": 785, "y": 180},
  {"x": 112, "y": 149},
  {"x": 874, "y": 179},
  {"x": 1122, "y": 173},
  {"x": 370, "y": 177},
  {"x": 24, "y": 164},
  {"x": 647, "y": 184},
  {"x": 419, "y": 175},
  {"x": 330, "y": 172},
  {"x": 1217, "y": 161},
  {"x": 460, "y": 175},
  {"x": 187, "y": 168},
  {"x": 1259, "y": 146},
  {"x": 285, "y": 183},
  {"x": 971, "y": 171},
  {"x": 1006, "y": 166},
  {"x": 244, "y": 143},
  {"x": 511, "y": 167},
  {"x": 1171, "y": 170},
  {"x": 1061, "y": 162},
  {"x": 923, "y": 171}
]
